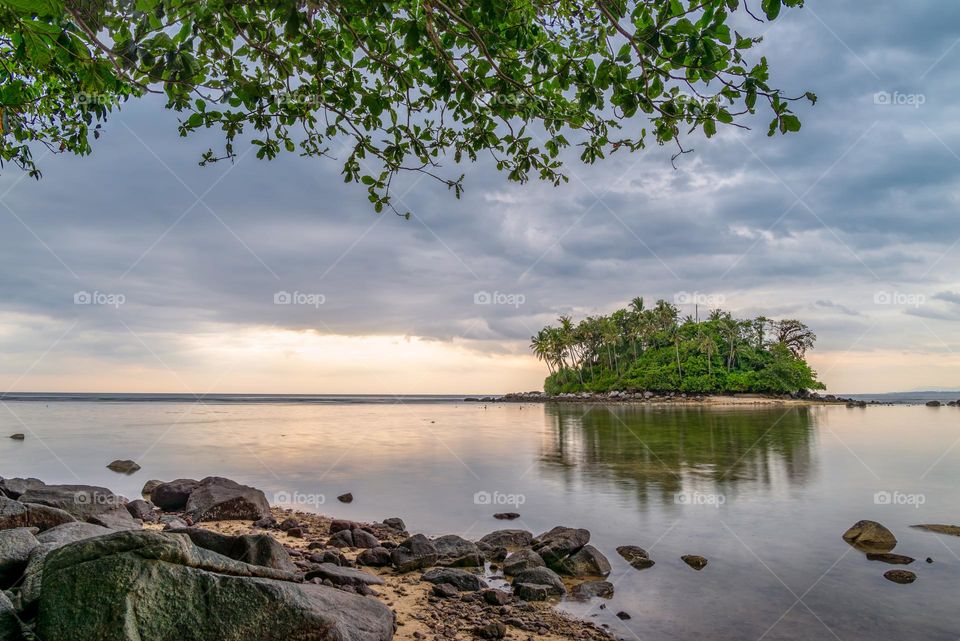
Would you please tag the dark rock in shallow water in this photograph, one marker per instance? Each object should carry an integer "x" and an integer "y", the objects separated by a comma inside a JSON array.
[
  {"x": 217, "y": 498},
  {"x": 172, "y": 496},
  {"x": 460, "y": 579},
  {"x": 508, "y": 538},
  {"x": 17, "y": 437},
  {"x": 150, "y": 585},
  {"x": 590, "y": 589},
  {"x": 951, "y": 530},
  {"x": 520, "y": 561},
  {"x": 559, "y": 543},
  {"x": 415, "y": 553},
  {"x": 587, "y": 561},
  {"x": 893, "y": 559},
  {"x": 256, "y": 549},
  {"x": 81, "y": 501},
  {"x": 637, "y": 557},
  {"x": 15, "y": 547},
  {"x": 695, "y": 561},
  {"x": 623, "y": 616},
  {"x": 345, "y": 498},
  {"x": 870, "y": 536},
  {"x": 506, "y": 516},
  {"x": 455, "y": 551},
  {"x": 536, "y": 584},
  {"x": 123, "y": 466},
  {"x": 900, "y": 576},
  {"x": 376, "y": 557}
]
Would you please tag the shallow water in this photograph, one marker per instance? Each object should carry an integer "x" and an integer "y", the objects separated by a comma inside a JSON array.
[{"x": 763, "y": 493}]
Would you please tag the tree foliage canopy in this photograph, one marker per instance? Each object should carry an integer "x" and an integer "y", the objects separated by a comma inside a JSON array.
[
  {"x": 398, "y": 85},
  {"x": 656, "y": 350}
]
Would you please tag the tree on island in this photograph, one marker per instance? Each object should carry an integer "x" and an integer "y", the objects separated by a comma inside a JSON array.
[
  {"x": 656, "y": 350},
  {"x": 402, "y": 84}
]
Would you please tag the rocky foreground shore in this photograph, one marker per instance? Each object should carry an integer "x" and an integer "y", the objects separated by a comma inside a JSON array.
[{"x": 211, "y": 560}]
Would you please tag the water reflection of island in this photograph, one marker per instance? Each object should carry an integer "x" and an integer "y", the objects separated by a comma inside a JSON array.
[{"x": 662, "y": 451}]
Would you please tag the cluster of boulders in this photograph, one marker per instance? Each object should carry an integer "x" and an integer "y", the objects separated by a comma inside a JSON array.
[{"x": 878, "y": 542}]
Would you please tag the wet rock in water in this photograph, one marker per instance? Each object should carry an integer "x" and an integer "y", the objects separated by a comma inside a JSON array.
[
  {"x": 116, "y": 519},
  {"x": 587, "y": 561},
  {"x": 217, "y": 499},
  {"x": 461, "y": 579},
  {"x": 14, "y": 487},
  {"x": 637, "y": 557},
  {"x": 341, "y": 576},
  {"x": 495, "y": 597},
  {"x": 492, "y": 630},
  {"x": 695, "y": 561},
  {"x": 395, "y": 523},
  {"x": 149, "y": 487},
  {"x": 345, "y": 498},
  {"x": 893, "y": 559},
  {"x": 415, "y": 553},
  {"x": 870, "y": 536},
  {"x": 537, "y": 584},
  {"x": 172, "y": 496},
  {"x": 590, "y": 589},
  {"x": 124, "y": 587},
  {"x": 123, "y": 466},
  {"x": 376, "y": 557},
  {"x": 18, "y": 436},
  {"x": 256, "y": 549},
  {"x": 143, "y": 510},
  {"x": 455, "y": 551},
  {"x": 508, "y": 539},
  {"x": 559, "y": 543},
  {"x": 445, "y": 591},
  {"x": 506, "y": 516},
  {"x": 900, "y": 576},
  {"x": 16, "y": 545},
  {"x": 952, "y": 530},
  {"x": 929, "y": 560},
  {"x": 522, "y": 560},
  {"x": 81, "y": 501},
  {"x": 623, "y": 616}
]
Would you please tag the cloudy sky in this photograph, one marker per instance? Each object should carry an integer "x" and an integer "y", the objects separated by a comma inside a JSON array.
[{"x": 850, "y": 225}]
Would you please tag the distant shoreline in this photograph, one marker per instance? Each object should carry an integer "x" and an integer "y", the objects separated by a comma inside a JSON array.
[{"x": 648, "y": 398}]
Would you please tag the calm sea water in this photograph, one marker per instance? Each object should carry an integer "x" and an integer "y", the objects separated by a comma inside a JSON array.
[{"x": 764, "y": 494}]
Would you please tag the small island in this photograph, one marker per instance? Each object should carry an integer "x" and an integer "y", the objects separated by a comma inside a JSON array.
[{"x": 655, "y": 350}]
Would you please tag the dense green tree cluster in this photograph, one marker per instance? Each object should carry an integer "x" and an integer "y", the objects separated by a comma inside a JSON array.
[
  {"x": 399, "y": 85},
  {"x": 656, "y": 350}
]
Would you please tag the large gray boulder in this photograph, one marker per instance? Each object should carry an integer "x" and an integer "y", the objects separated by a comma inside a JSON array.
[
  {"x": 81, "y": 501},
  {"x": 588, "y": 561},
  {"x": 171, "y": 496},
  {"x": 508, "y": 539},
  {"x": 116, "y": 519},
  {"x": 217, "y": 498},
  {"x": 16, "y": 514},
  {"x": 415, "y": 553},
  {"x": 255, "y": 549},
  {"x": 71, "y": 532},
  {"x": 455, "y": 551},
  {"x": 559, "y": 543},
  {"x": 137, "y": 585},
  {"x": 13, "y": 488},
  {"x": 15, "y": 547}
]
